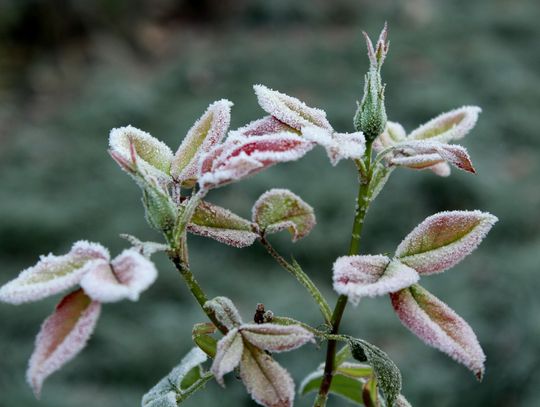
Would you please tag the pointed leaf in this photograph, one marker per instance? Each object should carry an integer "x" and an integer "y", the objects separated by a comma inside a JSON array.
[
  {"x": 240, "y": 158},
  {"x": 126, "y": 277},
  {"x": 443, "y": 240},
  {"x": 224, "y": 311},
  {"x": 228, "y": 355},
  {"x": 268, "y": 383},
  {"x": 280, "y": 209},
  {"x": 386, "y": 371},
  {"x": 338, "y": 145},
  {"x": 262, "y": 127},
  {"x": 54, "y": 274},
  {"x": 218, "y": 223},
  {"x": 207, "y": 132},
  {"x": 153, "y": 156},
  {"x": 290, "y": 110},
  {"x": 177, "y": 385},
  {"x": 62, "y": 336},
  {"x": 448, "y": 126},
  {"x": 439, "y": 326},
  {"x": 370, "y": 276},
  {"x": 276, "y": 338},
  {"x": 346, "y": 387}
]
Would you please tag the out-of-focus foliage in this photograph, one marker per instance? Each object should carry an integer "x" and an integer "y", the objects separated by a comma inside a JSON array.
[{"x": 71, "y": 71}]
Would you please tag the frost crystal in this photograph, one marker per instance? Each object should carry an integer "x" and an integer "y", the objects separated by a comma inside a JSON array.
[
  {"x": 262, "y": 127},
  {"x": 280, "y": 209},
  {"x": 439, "y": 326},
  {"x": 290, "y": 110},
  {"x": 338, "y": 145},
  {"x": 443, "y": 240},
  {"x": 228, "y": 356},
  {"x": 239, "y": 158},
  {"x": 207, "y": 132},
  {"x": 53, "y": 274},
  {"x": 62, "y": 336},
  {"x": 370, "y": 276},
  {"x": 225, "y": 312},
  {"x": 276, "y": 338}
]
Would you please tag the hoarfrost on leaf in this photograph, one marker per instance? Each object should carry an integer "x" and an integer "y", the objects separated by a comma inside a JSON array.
[
  {"x": 225, "y": 312},
  {"x": 229, "y": 353},
  {"x": 338, "y": 145},
  {"x": 443, "y": 240},
  {"x": 276, "y": 338},
  {"x": 280, "y": 209},
  {"x": 370, "y": 276},
  {"x": 62, "y": 336},
  {"x": 439, "y": 326},
  {"x": 262, "y": 127}
]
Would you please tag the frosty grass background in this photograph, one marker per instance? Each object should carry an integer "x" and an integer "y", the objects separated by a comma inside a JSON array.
[{"x": 71, "y": 73}]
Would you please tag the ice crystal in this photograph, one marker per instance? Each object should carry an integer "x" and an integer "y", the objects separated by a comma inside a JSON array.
[
  {"x": 439, "y": 326},
  {"x": 276, "y": 338},
  {"x": 229, "y": 353},
  {"x": 225, "y": 312},
  {"x": 338, "y": 145},
  {"x": 262, "y": 127},
  {"x": 62, "y": 336}
]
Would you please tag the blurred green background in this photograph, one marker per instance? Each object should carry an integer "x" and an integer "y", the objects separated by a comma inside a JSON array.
[{"x": 72, "y": 70}]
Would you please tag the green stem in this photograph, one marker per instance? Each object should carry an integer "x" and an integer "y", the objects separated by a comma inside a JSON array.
[
  {"x": 362, "y": 205},
  {"x": 302, "y": 277}
]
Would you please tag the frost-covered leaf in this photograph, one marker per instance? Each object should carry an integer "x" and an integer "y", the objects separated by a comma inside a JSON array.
[
  {"x": 279, "y": 209},
  {"x": 386, "y": 371},
  {"x": 338, "y": 145},
  {"x": 229, "y": 353},
  {"x": 290, "y": 110},
  {"x": 262, "y": 127},
  {"x": 151, "y": 155},
  {"x": 441, "y": 169},
  {"x": 218, "y": 223},
  {"x": 370, "y": 276},
  {"x": 378, "y": 53},
  {"x": 401, "y": 401},
  {"x": 343, "y": 386},
  {"x": 439, "y": 326},
  {"x": 178, "y": 385},
  {"x": 239, "y": 158},
  {"x": 62, "y": 336},
  {"x": 448, "y": 126},
  {"x": 443, "y": 240},
  {"x": 53, "y": 274},
  {"x": 268, "y": 383},
  {"x": 276, "y": 338},
  {"x": 225, "y": 312},
  {"x": 145, "y": 248},
  {"x": 129, "y": 274},
  {"x": 393, "y": 133},
  {"x": 207, "y": 132}
]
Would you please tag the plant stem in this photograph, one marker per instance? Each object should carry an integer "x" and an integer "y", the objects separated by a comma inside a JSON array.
[
  {"x": 302, "y": 277},
  {"x": 362, "y": 205}
]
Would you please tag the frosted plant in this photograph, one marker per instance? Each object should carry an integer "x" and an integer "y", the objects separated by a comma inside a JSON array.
[{"x": 174, "y": 188}]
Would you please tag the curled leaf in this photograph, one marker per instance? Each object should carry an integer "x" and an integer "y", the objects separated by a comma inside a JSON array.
[
  {"x": 268, "y": 383},
  {"x": 218, "y": 223},
  {"x": 439, "y": 326},
  {"x": 338, "y": 145},
  {"x": 225, "y": 312},
  {"x": 370, "y": 276},
  {"x": 290, "y": 110},
  {"x": 126, "y": 276},
  {"x": 62, "y": 336},
  {"x": 53, "y": 274},
  {"x": 207, "y": 132},
  {"x": 279, "y": 209},
  {"x": 452, "y": 125},
  {"x": 443, "y": 240},
  {"x": 393, "y": 134},
  {"x": 239, "y": 158},
  {"x": 262, "y": 127},
  {"x": 276, "y": 338},
  {"x": 229, "y": 353},
  {"x": 174, "y": 388}
]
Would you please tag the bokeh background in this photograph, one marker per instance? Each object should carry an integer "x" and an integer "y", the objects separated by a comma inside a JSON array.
[{"x": 71, "y": 70}]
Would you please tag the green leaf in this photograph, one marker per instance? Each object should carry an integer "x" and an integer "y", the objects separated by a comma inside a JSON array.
[
  {"x": 343, "y": 386},
  {"x": 200, "y": 335},
  {"x": 280, "y": 209},
  {"x": 386, "y": 371}
]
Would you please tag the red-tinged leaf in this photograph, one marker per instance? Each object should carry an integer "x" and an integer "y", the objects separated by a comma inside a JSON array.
[
  {"x": 394, "y": 133},
  {"x": 262, "y": 127},
  {"x": 239, "y": 158},
  {"x": 218, "y": 223},
  {"x": 225, "y": 312},
  {"x": 268, "y": 383},
  {"x": 276, "y": 338},
  {"x": 370, "y": 276},
  {"x": 129, "y": 274},
  {"x": 206, "y": 133},
  {"x": 338, "y": 145},
  {"x": 444, "y": 239},
  {"x": 151, "y": 155},
  {"x": 280, "y": 209},
  {"x": 448, "y": 126},
  {"x": 290, "y": 110},
  {"x": 54, "y": 274},
  {"x": 62, "y": 336},
  {"x": 439, "y": 326},
  {"x": 378, "y": 53},
  {"x": 229, "y": 353}
]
